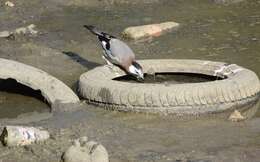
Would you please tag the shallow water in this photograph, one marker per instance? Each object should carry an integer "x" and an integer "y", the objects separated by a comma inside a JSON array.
[
  {"x": 228, "y": 33},
  {"x": 17, "y": 99},
  {"x": 169, "y": 78}
]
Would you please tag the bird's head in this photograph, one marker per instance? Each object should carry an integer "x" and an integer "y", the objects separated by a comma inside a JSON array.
[{"x": 136, "y": 70}]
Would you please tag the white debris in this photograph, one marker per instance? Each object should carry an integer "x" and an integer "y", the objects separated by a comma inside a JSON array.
[
  {"x": 9, "y": 4},
  {"x": 21, "y": 30},
  {"x": 20, "y": 136},
  {"x": 30, "y": 29},
  {"x": 227, "y": 70},
  {"x": 5, "y": 34},
  {"x": 236, "y": 116}
]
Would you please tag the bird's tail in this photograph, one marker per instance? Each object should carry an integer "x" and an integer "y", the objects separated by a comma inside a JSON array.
[{"x": 93, "y": 30}]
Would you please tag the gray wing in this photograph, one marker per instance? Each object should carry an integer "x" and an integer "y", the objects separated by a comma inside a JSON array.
[{"x": 121, "y": 53}]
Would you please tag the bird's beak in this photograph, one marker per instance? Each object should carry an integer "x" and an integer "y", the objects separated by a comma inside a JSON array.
[{"x": 141, "y": 77}]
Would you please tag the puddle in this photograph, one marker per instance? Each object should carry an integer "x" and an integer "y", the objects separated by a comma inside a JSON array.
[{"x": 170, "y": 78}]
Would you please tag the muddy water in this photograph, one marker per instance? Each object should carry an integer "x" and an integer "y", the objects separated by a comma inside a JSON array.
[
  {"x": 229, "y": 33},
  {"x": 17, "y": 99},
  {"x": 169, "y": 78}
]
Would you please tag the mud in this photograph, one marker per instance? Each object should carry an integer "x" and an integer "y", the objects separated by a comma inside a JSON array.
[{"x": 62, "y": 47}]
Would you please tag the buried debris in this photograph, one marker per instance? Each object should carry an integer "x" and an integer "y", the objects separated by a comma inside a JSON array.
[
  {"x": 21, "y": 136},
  {"x": 138, "y": 32},
  {"x": 83, "y": 150}
]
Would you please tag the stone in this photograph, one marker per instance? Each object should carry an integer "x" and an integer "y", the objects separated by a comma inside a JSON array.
[{"x": 152, "y": 30}]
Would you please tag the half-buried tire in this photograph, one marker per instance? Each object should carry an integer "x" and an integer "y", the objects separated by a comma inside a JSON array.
[
  {"x": 238, "y": 86},
  {"x": 52, "y": 89}
]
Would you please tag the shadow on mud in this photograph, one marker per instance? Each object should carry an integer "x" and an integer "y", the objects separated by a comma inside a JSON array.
[
  {"x": 12, "y": 86},
  {"x": 82, "y": 61},
  {"x": 17, "y": 99}
]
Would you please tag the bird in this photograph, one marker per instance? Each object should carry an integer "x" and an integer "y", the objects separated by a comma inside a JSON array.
[{"x": 118, "y": 53}]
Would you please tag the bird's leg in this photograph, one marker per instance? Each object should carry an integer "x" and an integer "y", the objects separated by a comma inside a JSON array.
[{"x": 109, "y": 64}]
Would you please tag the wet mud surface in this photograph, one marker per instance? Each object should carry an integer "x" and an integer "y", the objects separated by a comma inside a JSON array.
[{"x": 63, "y": 48}]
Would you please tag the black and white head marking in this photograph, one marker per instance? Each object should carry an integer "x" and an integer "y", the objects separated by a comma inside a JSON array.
[{"x": 136, "y": 70}]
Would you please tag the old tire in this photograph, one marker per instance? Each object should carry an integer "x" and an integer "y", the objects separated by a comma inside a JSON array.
[
  {"x": 239, "y": 87},
  {"x": 52, "y": 89}
]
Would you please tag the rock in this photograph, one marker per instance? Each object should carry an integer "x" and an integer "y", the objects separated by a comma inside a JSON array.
[
  {"x": 236, "y": 116},
  {"x": 138, "y": 32},
  {"x": 9, "y": 4},
  {"x": 5, "y": 34},
  {"x": 21, "y": 136},
  {"x": 84, "y": 151}
]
